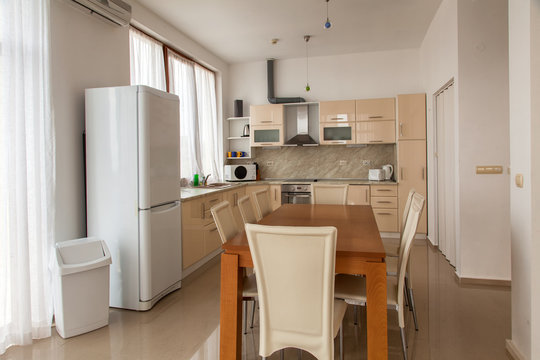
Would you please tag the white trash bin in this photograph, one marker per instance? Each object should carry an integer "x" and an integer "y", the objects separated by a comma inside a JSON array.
[{"x": 81, "y": 286}]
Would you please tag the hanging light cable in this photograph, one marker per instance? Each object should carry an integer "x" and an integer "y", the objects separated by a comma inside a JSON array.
[
  {"x": 327, "y": 24},
  {"x": 306, "y": 39}
]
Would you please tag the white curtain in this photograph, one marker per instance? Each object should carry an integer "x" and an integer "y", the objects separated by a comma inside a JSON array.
[
  {"x": 209, "y": 129},
  {"x": 26, "y": 173},
  {"x": 146, "y": 61}
]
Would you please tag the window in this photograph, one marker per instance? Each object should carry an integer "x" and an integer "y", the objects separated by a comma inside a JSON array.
[{"x": 200, "y": 134}]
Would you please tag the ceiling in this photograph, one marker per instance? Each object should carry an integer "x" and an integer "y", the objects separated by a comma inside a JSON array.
[{"x": 241, "y": 30}]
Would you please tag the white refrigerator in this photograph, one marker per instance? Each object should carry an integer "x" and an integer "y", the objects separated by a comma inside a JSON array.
[{"x": 133, "y": 190}]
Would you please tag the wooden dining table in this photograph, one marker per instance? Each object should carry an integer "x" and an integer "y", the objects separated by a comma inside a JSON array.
[{"x": 359, "y": 251}]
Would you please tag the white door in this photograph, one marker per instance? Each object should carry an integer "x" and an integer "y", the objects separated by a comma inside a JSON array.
[
  {"x": 159, "y": 147},
  {"x": 160, "y": 249}
]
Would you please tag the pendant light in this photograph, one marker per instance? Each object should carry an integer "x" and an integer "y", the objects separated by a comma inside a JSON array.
[
  {"x": 327, "y": 24},
  {"x": 306, "y": 39}
]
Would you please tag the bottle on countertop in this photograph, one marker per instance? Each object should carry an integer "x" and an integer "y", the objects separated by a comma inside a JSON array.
[
  {"x": 257, "y": 171},
  {"x": 196, "y": 180}
]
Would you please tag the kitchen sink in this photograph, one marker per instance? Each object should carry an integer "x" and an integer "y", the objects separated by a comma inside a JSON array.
[{"x": 215, "y": 185}]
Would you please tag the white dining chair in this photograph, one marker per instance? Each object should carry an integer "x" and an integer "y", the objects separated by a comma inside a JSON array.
[
  {"x": 261, "y": 200},
  {"x": 295, "y": 272},
  {"x": 246, "y": 210},
  {"x": 227, "y": 229},
  {"x": 352, "y": 289},
  {"x": 391, "y": 247},
  {"x": 330, "y": 194}
]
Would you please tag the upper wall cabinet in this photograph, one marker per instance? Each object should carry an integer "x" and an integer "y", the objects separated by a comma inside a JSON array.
[
  {"x": 411, "y": 117},
  {"x": 269, "y": 114},
  {"x": 337, "y": 111},
  {"x": 375, "y": 109}
]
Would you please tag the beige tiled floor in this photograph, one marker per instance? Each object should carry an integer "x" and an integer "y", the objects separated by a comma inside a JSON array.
[{"x": 456, "y": 322}]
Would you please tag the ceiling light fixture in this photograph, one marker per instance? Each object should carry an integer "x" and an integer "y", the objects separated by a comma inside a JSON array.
[
  {"x": 327, "y": 24},
  {"x": 306, "y": 39}
]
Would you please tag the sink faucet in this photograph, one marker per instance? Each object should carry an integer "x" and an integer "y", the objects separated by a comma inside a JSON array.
[{"x": 205, "y": 180}]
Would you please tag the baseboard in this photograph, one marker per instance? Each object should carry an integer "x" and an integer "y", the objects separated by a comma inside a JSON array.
[
  {"x": 512, "y": 351},
  {"x": 199, "y": 264},
  {"x": 481, "y": 281}
]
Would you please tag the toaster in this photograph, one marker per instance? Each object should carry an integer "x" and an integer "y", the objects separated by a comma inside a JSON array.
[{"x": 376, "y": 174}]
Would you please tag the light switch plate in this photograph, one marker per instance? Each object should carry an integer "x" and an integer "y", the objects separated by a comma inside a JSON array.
[
  {"x": 519, "y": 180},
  {"x": 489, "y": 169}
]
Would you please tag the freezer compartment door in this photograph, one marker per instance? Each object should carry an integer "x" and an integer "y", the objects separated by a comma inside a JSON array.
[
  {"x": 160, "y": 249},
  {"x": 159, "y": 147}
]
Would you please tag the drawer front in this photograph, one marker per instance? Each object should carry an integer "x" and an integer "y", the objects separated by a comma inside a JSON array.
[
  {"x": 375, "y": 109},
  {"x": 337, "y": 111},
  {"x": 387, "y": 219},
  {"x": 212, "y": 240},
  {"x": 384, "y": 202},
  {"x": 383, "y": 190}
]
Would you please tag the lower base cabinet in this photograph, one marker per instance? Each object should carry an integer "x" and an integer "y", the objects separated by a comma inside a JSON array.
[
  {"x": 384, "y": 203},
  {"x": 274, "y": 192}
]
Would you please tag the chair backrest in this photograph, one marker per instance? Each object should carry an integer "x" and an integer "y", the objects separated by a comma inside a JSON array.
[
  {"x": 246, "y": 210},
  {"x": 404, "y": 218},
  {"x": 329, "y": 194},
  {"x": 295, "y": 269},
  {"x": 417, "y": 205},
  {"x": 224, "y": 219},
  {"x": 261, "y": 199}
]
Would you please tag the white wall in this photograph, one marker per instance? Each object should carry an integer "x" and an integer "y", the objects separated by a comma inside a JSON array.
[
  {"x": 86, "y": 52},
  {"x": 439, "y": 59},
  {"x": 484, "y": 201},
  {"x": 354, "y": 76},
  {"x": 524, "y": 29}
]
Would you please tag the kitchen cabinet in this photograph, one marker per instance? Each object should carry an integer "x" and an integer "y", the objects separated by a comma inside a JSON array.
[
  {"x": 411, "y": 174},
  {"x": 358, "y": 195},
  {"x": 337, "y": 111},
  {"x": 337, "y": 133},
  {"x": 376, "y": 132},
  {"x": 266, "y": 135},
  {"x": 411, "y": 117},
  {"x": 375, "y": 109},
  {"x": 269, "y": 114},
  {"x": 384, "y": 202},
  {"x": 275, "y": 196},
  {"x": 232, "y": 197},
  {"x": 237, "y": 142}
]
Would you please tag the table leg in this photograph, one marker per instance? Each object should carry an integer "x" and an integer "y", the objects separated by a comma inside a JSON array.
[
  {"x": 377, "y": 333},
  {"x": 230, "y": 308}
]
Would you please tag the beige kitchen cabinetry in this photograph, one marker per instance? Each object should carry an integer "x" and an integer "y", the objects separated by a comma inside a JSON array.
[
  {"x": 337, "y": 111},
  {"x": 358, "y": 195},
  {"x": 232, "y": 197},
  {"x": 269, "y": 114},
  {"x": 375, "y": 109},
  {"x": 199, "y": 232},
  {"x": 376, "y": 132},
  {"x": 411, "y": 117},
  {"x": 274, "y": 193},
  {"x": 412, "y": 174},
  {"x": 266, "y": 135},
  {"x": 335, "y": 133},
  {"x": 384, "y": 202}
]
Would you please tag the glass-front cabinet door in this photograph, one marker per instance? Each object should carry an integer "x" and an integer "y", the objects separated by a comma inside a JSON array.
[
  {"x": 337, "y": 133},
  {"x": 267, "y": 135}
]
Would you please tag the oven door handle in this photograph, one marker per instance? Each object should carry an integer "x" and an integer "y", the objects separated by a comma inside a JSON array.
[{"x": 299, "y": 196}]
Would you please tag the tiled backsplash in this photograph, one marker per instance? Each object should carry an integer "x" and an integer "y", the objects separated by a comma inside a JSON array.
[{"x": 322, "y": 161}]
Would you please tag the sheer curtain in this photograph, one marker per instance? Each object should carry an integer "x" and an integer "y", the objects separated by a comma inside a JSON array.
[
  {"x": 147, "y": 66},
  {"x": 26, "y": 173}
]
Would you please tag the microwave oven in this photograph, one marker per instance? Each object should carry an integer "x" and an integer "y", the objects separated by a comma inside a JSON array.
[{"x": 240, "y": 172}]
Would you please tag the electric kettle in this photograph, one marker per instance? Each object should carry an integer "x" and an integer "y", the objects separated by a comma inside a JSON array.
[
  {"x": 245, "y": 133},
  {"x": 388, "y": 171}
]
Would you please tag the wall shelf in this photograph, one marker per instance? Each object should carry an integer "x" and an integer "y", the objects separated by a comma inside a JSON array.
[{"x": 237, "y": 142}]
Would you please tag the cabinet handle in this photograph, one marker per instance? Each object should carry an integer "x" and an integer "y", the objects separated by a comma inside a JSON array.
[
  {"x": 423, "y": 173},
  {"x": 275, "y": 194},
  {"x": 367, "y": 197},
  {"x": 265, "y": 144},
  {"x": 384, "y": 202},
  {"x": 336, "y": 118},
  {"x": 401, "y": 173},
  {"x": 377, "y": 141},
  {"x": 338, "y": 142},
  {"x": 212, "y": 230},
  {"x": 384, "y": 190},
  {"x": 401, "y": 129},
  {"x": 203, "y": 210},
  {"x": 266, "y": 121},
  {"x": 235, "y": 197},
  {"x": 384, "y": 214},
  {"x": 213, "y": 200},
  {"x": 375, "y": 117}
]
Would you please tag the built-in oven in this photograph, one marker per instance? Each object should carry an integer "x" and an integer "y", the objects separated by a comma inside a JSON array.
[{"x": 295, "y": 194}]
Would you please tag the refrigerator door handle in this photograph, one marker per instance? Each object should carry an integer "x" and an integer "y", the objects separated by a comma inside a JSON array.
[{"x": 164, "y": 208}]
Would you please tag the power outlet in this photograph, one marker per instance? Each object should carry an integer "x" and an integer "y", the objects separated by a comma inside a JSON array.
[
  {"x": 366, "y": 162},
  {"x": 342, "y": 162},
  {"x": 270, "y": 163}
]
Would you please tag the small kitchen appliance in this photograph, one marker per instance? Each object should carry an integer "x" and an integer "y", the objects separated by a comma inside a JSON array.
[
  {"x": 240, "y": 172},
  {"x": 388, "y": 171},
  {"x": 245, "y": 133},
  {"x": 376, "y": 174}
]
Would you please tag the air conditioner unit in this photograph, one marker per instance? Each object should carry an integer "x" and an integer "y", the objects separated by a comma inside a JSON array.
[{"x": 116, "y": 11}]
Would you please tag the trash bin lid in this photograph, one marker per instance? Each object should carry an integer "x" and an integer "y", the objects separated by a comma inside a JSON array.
[{"x": 81, "y": 255}]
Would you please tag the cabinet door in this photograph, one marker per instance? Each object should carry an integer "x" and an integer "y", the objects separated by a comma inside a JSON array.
[
  {"x": 376, "y": 132},
  {"x": 358, "y": 195},
  {"x": 275, "y": 196},
  {"x": 412, "y": 117},
  {"x": 269, "y": 114},
  {"x": 211, "y": 237},
  {"x": 337, "y": 111},
  {"x": 337, "y": 133},
  {"x": 387, "y": 219},
  {"x": 271, "y": 135},
  {"x": 412, "y": 175},
  {"x": 375, "y": 109}
]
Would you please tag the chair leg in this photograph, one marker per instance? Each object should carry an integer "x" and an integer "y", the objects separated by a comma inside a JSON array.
[
  {"x": 355, "y": 314},
  {"x": 341, "y": 342},
  {"x": 253, "y": 313},
  {"x": 413, "y": 308},
  {"x": 245, "y": 317},
  {"x": 403, "y": 343}
]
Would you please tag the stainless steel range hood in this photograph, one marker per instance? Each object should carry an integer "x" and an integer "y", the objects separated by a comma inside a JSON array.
[{"x": 302, "y": 137}]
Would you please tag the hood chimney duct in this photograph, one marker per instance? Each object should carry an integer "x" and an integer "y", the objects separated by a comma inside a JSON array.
[{"x": 270, "y": 77}]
